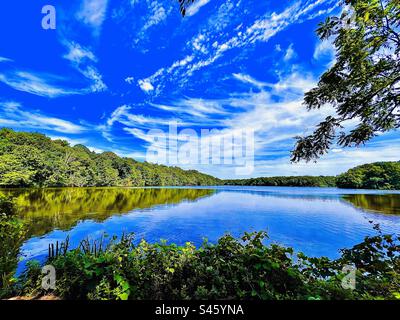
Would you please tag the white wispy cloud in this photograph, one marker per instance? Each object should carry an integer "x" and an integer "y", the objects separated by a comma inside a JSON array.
[
  {"x": 325, "y": 50},
  {"x": 78, "y": 54},
  {"x": 294, "y": 84},
  {"x": 117, "y": 114},
  {"x": 197, "y": 111},
  {"x": 145, "y": 85},
  {"x": 140, "y": 134},
  {"x": 52, "y": 86},
  {"x": 13, "y": 114},
  {"x": 4, "y": 59},
  {"x": 44, "y": 85},
  {"x": 248, "y": 79},
  {"x": 194, "y": 8},
  {"x": 94, "y": 75},
  {"x": 290, "y": 53},
  {"x": 297, "y": 82},
  {"x": 158, "y": 14},
  {"x": 133, "y": 123},
  {"x": 125, "y": 115},
  {"x": 130, "y": 80},
  {"x": 93, "y": 13},
  {"x": 83, "y": 60}
]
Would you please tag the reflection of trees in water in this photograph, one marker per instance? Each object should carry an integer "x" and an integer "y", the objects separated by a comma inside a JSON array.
[
  {"x": 62, "y": 208},
  {"x": 384, "y": 203}
]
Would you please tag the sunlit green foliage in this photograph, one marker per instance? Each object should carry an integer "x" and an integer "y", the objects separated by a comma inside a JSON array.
[
  {"x": 378, "y": 175},
  {"x": 12, "y": 234},
  {"x": 34, "y": 160},
  {"x": 363, "y": 83},
  {"x": 297, "y": 181},
  {"x": 231, "y": 269}
]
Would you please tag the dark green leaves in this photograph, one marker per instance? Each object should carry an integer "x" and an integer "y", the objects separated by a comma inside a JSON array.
[
  {"x": 243, "y": 268},
  {"x": 364, "y": 82},
  {"x": 379, "y": 175}
]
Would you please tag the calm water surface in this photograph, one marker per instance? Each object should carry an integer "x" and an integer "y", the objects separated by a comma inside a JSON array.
[{"x": 316, "y": 221}]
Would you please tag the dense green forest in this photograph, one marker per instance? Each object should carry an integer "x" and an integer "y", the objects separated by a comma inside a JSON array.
[
  {"x": 297, "y": 181},
  {"x": 34, "y": 160},
  {"x": 378, "y": 175}
]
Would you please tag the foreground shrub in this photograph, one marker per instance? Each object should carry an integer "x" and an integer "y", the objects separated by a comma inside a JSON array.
[
  {"x": 12, "y": 235},
  {"x": 231, "y": 269}
]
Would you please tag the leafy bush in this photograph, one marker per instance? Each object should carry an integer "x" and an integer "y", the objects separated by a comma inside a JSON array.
[
  {"x": 231, "y": 269},
  {"x": 12, "y": 234}
]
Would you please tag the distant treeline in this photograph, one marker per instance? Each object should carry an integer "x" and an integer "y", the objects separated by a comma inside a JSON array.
[
  {"x": 296, "y": 181},
  {"x": 34, "y": 160},
  {"x": 378, "y": 175}
]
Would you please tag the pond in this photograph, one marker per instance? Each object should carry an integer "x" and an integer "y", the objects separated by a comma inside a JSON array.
[{"x": 316, "y": 221}]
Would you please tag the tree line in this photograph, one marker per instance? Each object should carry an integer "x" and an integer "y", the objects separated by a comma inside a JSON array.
[
  {"x": 34, "y": 160},
  {"x": 295, "y": 181},
  {"x": 377, "y": 175}
]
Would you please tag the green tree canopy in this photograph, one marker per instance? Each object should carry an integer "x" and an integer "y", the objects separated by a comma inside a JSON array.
[
  {"x": 378, "y": 175},
  {"x": 34, "y": 160},
  {"x": 363, "y": 84}
]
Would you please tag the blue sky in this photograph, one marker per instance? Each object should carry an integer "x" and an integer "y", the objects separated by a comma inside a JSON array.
[{"x": 112, "y": 70}]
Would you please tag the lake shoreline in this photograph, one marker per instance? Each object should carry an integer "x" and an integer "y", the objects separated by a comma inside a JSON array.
[{"x": 195, "y": 187}]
